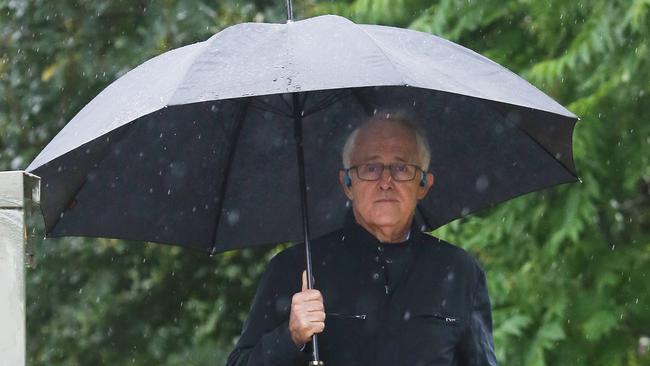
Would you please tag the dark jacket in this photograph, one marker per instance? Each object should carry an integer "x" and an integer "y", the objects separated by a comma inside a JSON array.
[{"x": 438, "y": 313}]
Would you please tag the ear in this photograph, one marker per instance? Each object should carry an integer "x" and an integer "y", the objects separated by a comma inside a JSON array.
[
  {"x": 346, "y": 189},
  {"x": 422, "y": 191}
]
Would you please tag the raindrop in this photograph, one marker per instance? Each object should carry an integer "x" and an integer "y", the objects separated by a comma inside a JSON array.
[
  {"x": 232, "y": 217},
  {"x": 482, "y": 183}
]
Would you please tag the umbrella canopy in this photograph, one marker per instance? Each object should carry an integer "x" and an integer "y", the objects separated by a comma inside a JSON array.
[{"x": 196, "y": 147}]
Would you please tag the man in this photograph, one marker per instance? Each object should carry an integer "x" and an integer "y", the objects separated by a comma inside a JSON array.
[{"x": 387, "y": 293}]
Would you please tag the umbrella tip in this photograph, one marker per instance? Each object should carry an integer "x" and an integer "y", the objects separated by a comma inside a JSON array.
[{"x": 213, "y": 251}]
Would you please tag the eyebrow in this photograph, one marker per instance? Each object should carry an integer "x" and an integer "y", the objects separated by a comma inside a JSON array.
[{"x": 373, "y": 157}]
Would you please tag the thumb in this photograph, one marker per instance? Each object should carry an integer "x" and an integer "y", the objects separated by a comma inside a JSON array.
[{"x": 304, "y": 280}]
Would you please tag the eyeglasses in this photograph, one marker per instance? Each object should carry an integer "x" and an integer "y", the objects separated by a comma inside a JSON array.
[{"x": 399, "y": 172}]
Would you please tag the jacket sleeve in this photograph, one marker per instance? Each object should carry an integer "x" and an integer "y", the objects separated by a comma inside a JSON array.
[
  {"x": 476, "y": 346},
  {"x": 265, "y": 338}
]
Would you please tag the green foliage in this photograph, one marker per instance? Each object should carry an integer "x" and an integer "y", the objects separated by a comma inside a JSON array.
[{"x": 567, "y": 267}]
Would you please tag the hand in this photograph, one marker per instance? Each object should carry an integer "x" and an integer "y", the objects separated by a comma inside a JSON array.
[{"x": 307, "y": 314}]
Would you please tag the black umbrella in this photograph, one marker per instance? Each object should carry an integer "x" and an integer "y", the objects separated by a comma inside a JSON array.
[{"x": 207, "y": 146}]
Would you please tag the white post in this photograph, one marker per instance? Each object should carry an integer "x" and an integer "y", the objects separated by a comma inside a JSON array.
[{"x": 18, "y": 191}]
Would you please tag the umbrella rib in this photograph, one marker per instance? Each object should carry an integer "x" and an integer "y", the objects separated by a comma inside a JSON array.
[
  {"x": 127, "y": 128},
  {"x": 224, "y": 185},
  {"x": 383, "y": 52},
  {"x": 270, "y": 108},
  {"x": 546, "y": 150},
  {"x": 327, "y": 101},
  {"x": 289, "y": 107},
  {"x": 318, "y": 106},
  {"x": 332, "y": 99},
  {"x": 539, "y": 144}
]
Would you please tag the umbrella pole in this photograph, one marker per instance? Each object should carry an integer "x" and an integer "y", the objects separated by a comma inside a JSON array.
[
  {"x": 289, "y": 11},
  {"x": 297, "y": 128}
]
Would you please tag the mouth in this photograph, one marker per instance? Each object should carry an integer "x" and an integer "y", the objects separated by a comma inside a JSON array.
[{"x": 386, "y": 200}]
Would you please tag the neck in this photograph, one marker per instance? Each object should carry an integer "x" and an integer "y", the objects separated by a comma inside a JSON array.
[{"x": 387, "y": 234}]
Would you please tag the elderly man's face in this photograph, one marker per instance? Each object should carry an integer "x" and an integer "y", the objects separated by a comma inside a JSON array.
[{"x": 385, "y": 205}]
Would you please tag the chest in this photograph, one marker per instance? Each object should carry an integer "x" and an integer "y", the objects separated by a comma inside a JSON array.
[{"x": 419, "y": 318}]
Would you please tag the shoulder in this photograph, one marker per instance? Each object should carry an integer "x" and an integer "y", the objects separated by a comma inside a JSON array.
[
  {"x": 322, "y": 245},
  {"x": 449, "y": 253}
]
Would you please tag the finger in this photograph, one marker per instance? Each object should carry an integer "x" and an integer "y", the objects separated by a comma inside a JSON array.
[
  {"x": 307, "y": 307},
  {"x": 317, "y": 327},
  {"x": 309, "y": 295},
  {"x": 306, "y": 311},
  {"x": 315, "y": 317},
  {"x": 304, "y": 280},
  {"x": 315, "y": 306}
]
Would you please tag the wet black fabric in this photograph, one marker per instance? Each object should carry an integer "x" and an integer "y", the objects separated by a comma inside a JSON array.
[
  {"x": 438, "y": 314},
  {"x": 394, "y": 258}
]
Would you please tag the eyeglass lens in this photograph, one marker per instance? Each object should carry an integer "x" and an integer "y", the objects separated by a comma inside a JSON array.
[{"x": 399, "y": 172}]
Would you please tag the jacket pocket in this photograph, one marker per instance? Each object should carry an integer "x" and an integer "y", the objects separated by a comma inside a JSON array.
[
  {"x": 440, "y": 318},
  {"x": 346, "y": 316}
]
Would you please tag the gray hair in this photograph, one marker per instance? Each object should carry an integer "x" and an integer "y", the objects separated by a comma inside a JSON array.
[{"x": 401, "y": 119}]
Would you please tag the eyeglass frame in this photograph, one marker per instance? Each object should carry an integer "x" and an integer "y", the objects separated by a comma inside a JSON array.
[{"x": 390, "y": 169}]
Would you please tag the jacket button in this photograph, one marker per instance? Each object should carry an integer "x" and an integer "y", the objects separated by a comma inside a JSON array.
[
  {"x": 375, "y": 276},
  {"x": 380, "y": 248}
]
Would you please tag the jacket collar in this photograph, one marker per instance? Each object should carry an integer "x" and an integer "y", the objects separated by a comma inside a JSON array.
[{"x": 357, "y": 237}]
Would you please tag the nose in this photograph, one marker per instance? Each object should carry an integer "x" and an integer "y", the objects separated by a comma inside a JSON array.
[{"x": 386, "y": 179}]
